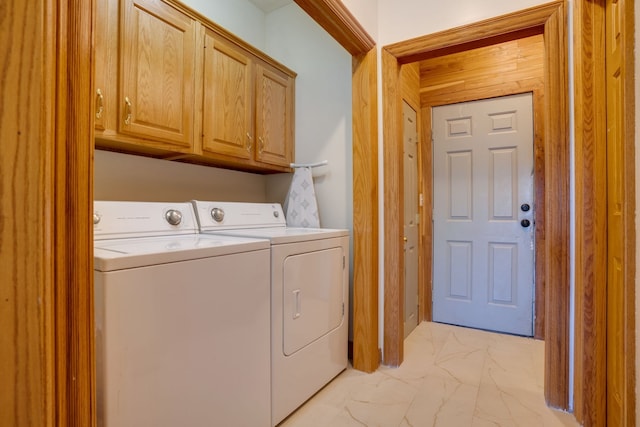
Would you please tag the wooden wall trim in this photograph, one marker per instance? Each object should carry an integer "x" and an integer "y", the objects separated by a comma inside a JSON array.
[
  {"x": 46, "y": 244},
  {"x": 393, "y": 348},
  {"x": 591, "y": 215},
  {"x": 366, "y": 356},
  {"x": 26, "y": 246},
  {"x": 552, "y": 16},
  {"x": 630, "y": 208},
  {"x": 557, "y": 212},
  {"x": 335, "y": 18},
  {"x": 422, "y": 47},
  {"x": 72, "y": 205},
  {"x": 345, "y": 29}
]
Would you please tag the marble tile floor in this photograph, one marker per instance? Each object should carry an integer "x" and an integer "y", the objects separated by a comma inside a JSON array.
[{"x": 451, "y": 377}]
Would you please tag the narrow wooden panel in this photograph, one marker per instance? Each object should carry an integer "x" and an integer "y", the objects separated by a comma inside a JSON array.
[
  {"x": 426, "y": 249},
  {"x": 539, "y": 140},
  {"x": 393, "y": 214},
  {"x": 557, "y": 214},
  {"x": 365, "y": 213},
  {"x": 410, "y": 77},
  {"x": 26, "y": 247},
  {"x": 73, "y": 230},
  {"x": 621, "y": 341}
]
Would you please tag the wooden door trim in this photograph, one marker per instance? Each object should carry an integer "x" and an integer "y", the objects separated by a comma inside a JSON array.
[
  {"x": 335, "y": 18},
  {"x": 347, "y": 31},
  {"x": 591, "y": 214},
  {"x": 366, "y": 355},
  {"x": 552, "y": 18},
  {"x": 590, "y": 374},
  {"x": 47, "y": 242},
  {"x": 72, "y": 212}
]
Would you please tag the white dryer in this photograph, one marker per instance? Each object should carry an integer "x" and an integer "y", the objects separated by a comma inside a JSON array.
[
  {"x": 309, "y": 296},
  {"x": 182, "y": 320}
]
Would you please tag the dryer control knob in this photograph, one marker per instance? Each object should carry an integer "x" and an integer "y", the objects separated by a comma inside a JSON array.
[
  {"x": 96, "y": 218},
  {"x": 217, "y": 214},
  {"x": 173, "y": 217}
]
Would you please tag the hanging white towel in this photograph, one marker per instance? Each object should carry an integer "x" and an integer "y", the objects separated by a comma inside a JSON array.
[{"x": 301, "y": 206}]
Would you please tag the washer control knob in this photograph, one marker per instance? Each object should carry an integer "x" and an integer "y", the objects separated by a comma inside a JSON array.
[
  {"x": 276, "y": 214},
  {"x": 96, "y": 218},
  {"x": 217, "y": 214},
  {"x": 173, "y": 217}
]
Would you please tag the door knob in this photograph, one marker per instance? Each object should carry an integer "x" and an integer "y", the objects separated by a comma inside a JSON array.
[
  {"x": 525, "y": 223},
  {"x": 525, "y": 207}
]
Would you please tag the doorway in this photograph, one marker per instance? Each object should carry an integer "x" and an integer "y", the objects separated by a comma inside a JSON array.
[
  {"x": 548, "y": 20},
  {"x": 483, "y": 214}
]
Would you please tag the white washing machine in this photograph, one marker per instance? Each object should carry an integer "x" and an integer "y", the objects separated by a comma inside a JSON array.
[
  {"x": 309, "y": 296},
  {"x": 182, "y": 320}
]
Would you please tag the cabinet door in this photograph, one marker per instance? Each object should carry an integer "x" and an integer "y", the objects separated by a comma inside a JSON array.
[
  {"x": 274, "y": 116},
  {"x": 157, "y": 73},
  {"x": 106, "y": 65},
  {"x": 227, "y": 113}
]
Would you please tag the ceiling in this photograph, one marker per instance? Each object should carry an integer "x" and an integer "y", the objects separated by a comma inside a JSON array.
[{"x": 269, "y": 5}]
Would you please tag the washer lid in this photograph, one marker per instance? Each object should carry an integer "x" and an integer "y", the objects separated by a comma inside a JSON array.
[
  {"x": 119, "y": 254},
  {"x": 279, "y": 235}
]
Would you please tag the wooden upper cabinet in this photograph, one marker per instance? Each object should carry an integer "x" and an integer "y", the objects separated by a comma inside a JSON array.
[
  {"x": 172, "y": 84},
  {"x": 156, "y": 96},
  {"x": 274, "y": 116},
  {"x": 247, "y": 106},
  {"x": 227, "y": 102}
]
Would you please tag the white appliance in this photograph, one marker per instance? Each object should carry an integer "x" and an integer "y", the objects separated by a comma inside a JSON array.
[
  {"x": 309, "y": 296},
  {"x": 182, "y": 320}
]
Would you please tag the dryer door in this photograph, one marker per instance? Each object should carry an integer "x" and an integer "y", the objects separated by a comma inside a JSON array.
[{"x": 313, "y": 296}]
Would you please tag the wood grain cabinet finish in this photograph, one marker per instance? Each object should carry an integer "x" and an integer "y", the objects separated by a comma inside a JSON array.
[
  {"x": 157, "y": 94},
  {"x": 274, "y": 116},
  {"x": 247, "y": 107},
  {"x": 147, "y": 81}
]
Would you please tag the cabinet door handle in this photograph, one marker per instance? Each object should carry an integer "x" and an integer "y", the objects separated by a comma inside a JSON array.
[
  {"x": 127, "y": 119},
  {"x": 249, "y": 142},
  {"x": 261, "y": 147},
  {"x": 99, "y": 103}
]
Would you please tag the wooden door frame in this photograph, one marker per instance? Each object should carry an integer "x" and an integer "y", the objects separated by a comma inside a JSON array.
[
  {"x": 67, "y": 369},
  {"x": 551, "y": 17},
  {"x": 590, "y": 376},
  {"x": 336, "y": 19},
  {"x": 47, "y": 352}
]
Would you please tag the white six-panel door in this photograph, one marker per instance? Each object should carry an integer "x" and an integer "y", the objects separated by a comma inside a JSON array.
[{"x": 483, "y": 253}]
